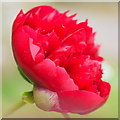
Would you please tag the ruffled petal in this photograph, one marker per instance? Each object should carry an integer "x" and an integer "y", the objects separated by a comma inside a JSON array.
[{"x": 104, "y": 88}]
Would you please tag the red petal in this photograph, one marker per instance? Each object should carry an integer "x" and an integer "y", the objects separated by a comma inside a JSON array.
[
  {"x": 104, "y": 88},
  {"x": 49, "y": 42},
  {"x": 42, "y": 16},
  {"x": 19, "y": 20},
  {"x": 46, "y": 74},
  {"x": 25, "y": 50},
  {"x": 81, "y": 102}
]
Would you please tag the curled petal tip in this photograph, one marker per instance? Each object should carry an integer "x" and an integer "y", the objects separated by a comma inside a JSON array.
[
  {"x": 72, "y": 16},
  {"x": 86, "y": 21},
  {"x": 66, "y": 12},
  {"x": 19, "y": 20}
]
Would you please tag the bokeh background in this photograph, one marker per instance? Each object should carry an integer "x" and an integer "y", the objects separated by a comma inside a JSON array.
[
  {"x": 103, "y": 17},
  {"x": 0, "y": 60}
]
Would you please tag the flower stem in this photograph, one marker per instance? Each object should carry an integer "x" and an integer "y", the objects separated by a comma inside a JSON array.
[
  {"x": 14, "y": 108},
  {"x": 66, "y": 116},
  {"x": 27, "y": 97}
]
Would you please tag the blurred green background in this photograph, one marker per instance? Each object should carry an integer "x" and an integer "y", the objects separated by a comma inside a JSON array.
[
  {"x": 0, "y": 60},
  {"x": 103, "y": 17}
]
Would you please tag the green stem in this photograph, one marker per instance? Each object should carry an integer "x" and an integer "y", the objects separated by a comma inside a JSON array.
[
  {"x": 66, "y": 116},
  {"x": 14, "y": 108},
  {"x": 22, "y": 103},
  {"x": 27, "y": 97}
]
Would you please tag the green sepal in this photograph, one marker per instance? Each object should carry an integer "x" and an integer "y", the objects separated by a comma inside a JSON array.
[
  {"x": 27, "y": 97},
  {"x": 24, "y": 76}
]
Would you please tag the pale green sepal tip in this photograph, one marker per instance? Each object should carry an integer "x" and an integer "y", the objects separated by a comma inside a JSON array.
[{"x": 27, "y": 97}]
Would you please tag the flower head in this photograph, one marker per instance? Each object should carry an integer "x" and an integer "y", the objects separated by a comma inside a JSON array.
[{"x": 61, "y": 58}]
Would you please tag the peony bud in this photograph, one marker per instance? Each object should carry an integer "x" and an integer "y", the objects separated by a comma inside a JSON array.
[{"x": 60, "y": 58}]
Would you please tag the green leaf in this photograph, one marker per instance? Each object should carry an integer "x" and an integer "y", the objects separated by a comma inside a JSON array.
[
  {"x": 24, "y": 76},
  {"x": 27, "y": 97}
]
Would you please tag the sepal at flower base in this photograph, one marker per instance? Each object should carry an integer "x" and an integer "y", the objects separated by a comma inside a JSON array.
[
  {"x": 44, "y": 99},
  {"x": 27, "y": 97}
]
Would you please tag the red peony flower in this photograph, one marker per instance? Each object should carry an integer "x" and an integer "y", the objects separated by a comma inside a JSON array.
[{"x": 61, "y": 59}]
